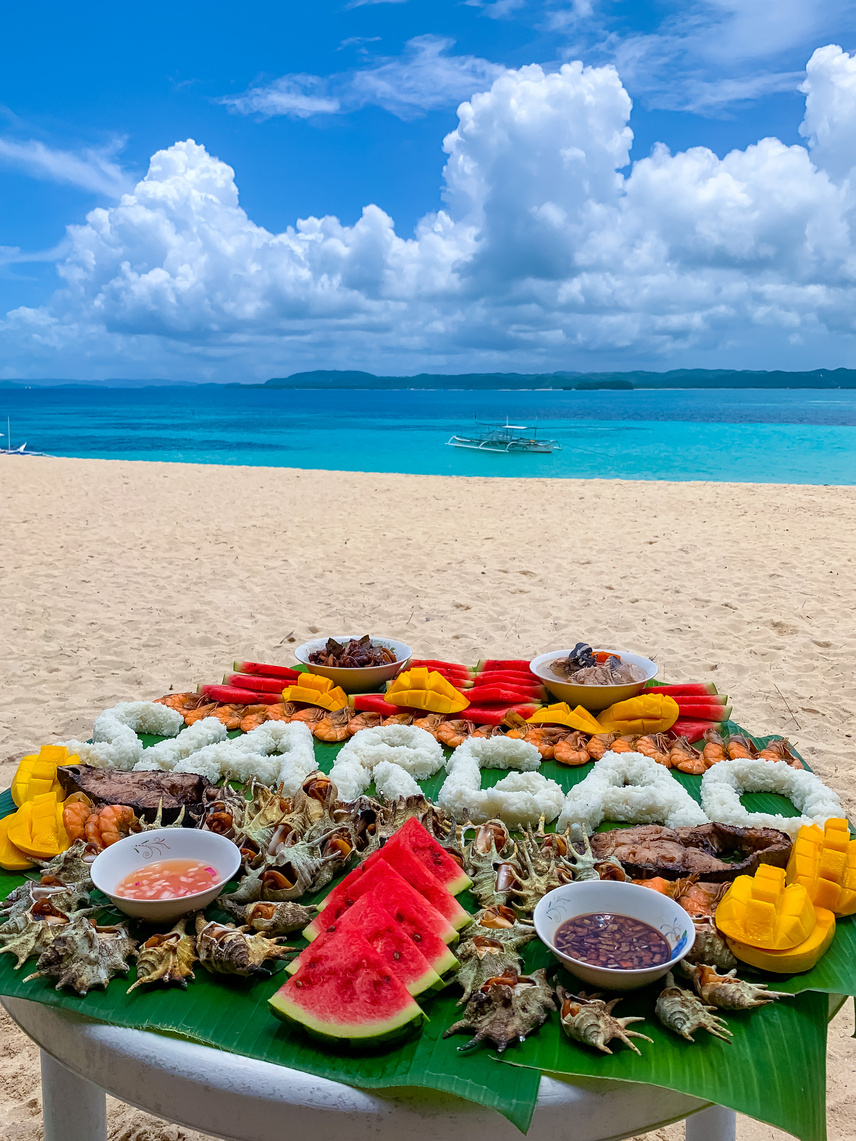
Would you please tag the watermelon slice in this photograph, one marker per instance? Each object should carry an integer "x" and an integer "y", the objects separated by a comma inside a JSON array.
[
  {"x": 345, "y": 991},
  {"x": 286, "y": 673},
  {"x": 232, "y": 695},
  {"x": 694, "y": 730},
  {"x": 684, "y": 689},
  {"x": 416, "y": 838},
  {"x": 259, "y": 684},
  {"x": 403, "y": 902},
  {"x": 493, "y": 714},
  {"x": 711, "y": 710},
  {"x": 505, "y": 693},
  {"x": 374, "y": 703},
  {"x": 369, "y": 918},
  {"x": 515, "y": 664},
  {"x": 417, "y": 875}
]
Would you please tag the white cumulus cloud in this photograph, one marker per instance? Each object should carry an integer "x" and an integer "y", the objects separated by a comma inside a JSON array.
[{"x": 551, "y": 251}]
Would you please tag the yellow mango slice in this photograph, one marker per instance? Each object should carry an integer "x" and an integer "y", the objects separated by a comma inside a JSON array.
[
  {"x": 312, "y": 689},
  {"x": 802, "y": 957},
  {"x": 762, "y": 911},
  {"x": 824, "y": 863},
  {"x": 423, "y": 688},
  {"x": 37, "y": 828},
  {"x": 11, "y": 858},
  {"x": 36, "y": 773},
  {"x": 562, "y": 714},
  {"x": 645, "y": 713}
]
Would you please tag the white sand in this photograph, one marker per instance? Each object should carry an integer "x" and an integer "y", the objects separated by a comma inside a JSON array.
[{"x": 122, "y": 580}]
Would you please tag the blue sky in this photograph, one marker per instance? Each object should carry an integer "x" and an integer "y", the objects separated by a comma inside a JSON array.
[{"x": 556, "y": 227}]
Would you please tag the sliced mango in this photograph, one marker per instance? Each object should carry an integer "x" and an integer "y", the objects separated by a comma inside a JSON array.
[
  {"x": 825, "y": 864},
  {"x": 802, "y": 957},
  {"x": 37, "y": 828},
  {"x": 36, "y": 773},
  {"x": 11, "y": 858},
  {"x": 562, "y": 714},
  {"x": 423, "y": 688},
  {"x": 645, "y": 713},
  {"x": 312, "y": 689},
  {"x": 763, "y": 912}
]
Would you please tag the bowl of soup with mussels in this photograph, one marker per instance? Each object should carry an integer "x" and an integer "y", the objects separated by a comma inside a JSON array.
[
  {"x": 165, "y": 872},
  {"x": 613, "y": 935}
]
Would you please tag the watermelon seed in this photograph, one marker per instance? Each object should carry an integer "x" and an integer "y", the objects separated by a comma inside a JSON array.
[{"x": 396, "y": 954}]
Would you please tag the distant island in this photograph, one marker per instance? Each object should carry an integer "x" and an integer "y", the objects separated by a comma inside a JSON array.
[
  {"x": 579, "y": 381},
  {"x": 556, "y": 381}
]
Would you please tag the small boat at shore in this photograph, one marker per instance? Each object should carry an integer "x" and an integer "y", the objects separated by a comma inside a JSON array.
[
  {"x": 506, "y": 438},
  {"x": 21, "y": 450}
]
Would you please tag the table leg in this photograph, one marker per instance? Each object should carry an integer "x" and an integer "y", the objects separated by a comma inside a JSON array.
[
  {"x": 714, "y": 1124},
  {"x": 73, "y": 1108}
]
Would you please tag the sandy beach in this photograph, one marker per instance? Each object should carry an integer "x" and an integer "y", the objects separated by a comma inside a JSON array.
[{"x": 124, "y": 580}]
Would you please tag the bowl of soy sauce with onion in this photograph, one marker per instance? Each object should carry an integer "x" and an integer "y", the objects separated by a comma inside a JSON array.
[{"x": 613, "y": 935}]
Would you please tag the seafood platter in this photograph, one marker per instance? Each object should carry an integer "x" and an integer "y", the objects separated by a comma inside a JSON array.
[{"x": 459, "y": 864}]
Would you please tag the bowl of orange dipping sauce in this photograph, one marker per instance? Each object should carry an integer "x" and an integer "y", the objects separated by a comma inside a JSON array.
[{"x": 166, "y": 872}]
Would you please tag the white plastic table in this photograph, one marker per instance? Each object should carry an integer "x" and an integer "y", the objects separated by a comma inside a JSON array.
[{"x": 240, "y": 1099}]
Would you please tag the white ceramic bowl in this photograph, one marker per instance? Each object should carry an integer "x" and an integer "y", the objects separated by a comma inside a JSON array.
[
  {"x": 589, "y": 897},
  {"x": 365, "y": 679},
  {"x": 591, "y": 697},
  {"x": 134, "y": 852}
]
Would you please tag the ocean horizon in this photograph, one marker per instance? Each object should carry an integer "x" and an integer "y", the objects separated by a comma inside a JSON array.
[{"x": 800, "y": 436}]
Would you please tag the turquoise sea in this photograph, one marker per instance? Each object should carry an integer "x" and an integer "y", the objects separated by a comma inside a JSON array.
[{"x": 751, "y": 436}]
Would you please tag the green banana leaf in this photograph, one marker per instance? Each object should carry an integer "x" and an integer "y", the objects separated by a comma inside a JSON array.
[{"x": 774, "y": 1069}]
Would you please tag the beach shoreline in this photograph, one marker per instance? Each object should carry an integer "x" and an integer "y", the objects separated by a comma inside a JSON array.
[{"x": 125, "y": 579}]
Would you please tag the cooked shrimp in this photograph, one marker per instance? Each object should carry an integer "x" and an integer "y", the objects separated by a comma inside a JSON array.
[
  {"x": 109, "y": 824},
  {"x": 714, "y": 749},
  {"x": 454, "y": 732},
  {"x": 398, "y": 719},
  {"x": 599, "y": 744},
  {"x": 543, "y": 738},
  {"x": 656, "y": 747},
  {"x": 430, "y": 723},
  {"x": 700, "y": 899},
  {"x": 364, "y": 721},
  {"x": 309, "y": 714},
  {"x": 657, "y": 883},
  {"x": 623, "y": 745},
  {"x": 75, "y": 812},
  {"x": 571, "y": 750},
  {"x": 780, "y": 750},
  {"x": 685, "y": 758},
  {"x": 255, "y": 715},
  {"x": 191, "y": 716},
  {"x": 333, "y": 727},
  {"x": 739, "y": 747}
]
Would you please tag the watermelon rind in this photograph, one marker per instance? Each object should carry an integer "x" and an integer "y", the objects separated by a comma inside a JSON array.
[
  {"x": 418, "y": 840},
  {"x": 345, "y": 977}
]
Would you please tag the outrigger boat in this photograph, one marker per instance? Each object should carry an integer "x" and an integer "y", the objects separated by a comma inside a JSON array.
[
  {"x": 508, "y": 438},
  {"x": 21, "y": 450}
]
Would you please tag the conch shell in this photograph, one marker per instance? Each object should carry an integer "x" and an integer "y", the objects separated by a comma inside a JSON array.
[
  {"x": 166, "y": 958},
  {"x": 271, "y": 918},
  {"x": 506, "y": 1009},
  {"x": 84, "y": 956},
  {"x": 225, "y": 949}
]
